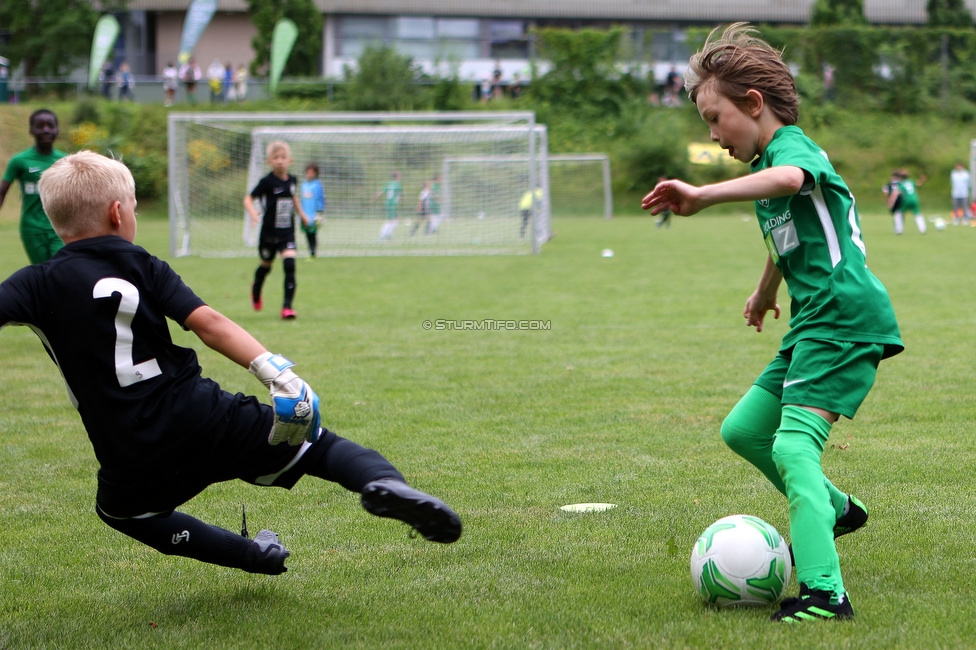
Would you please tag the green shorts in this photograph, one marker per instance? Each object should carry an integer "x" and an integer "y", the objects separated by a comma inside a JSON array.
[
  {"x": 41, "y": 245},
  {"x": 831, "y": 375}
]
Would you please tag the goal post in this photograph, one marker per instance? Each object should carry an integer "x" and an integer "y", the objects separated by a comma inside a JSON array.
[{"x": 216, "y": 158}]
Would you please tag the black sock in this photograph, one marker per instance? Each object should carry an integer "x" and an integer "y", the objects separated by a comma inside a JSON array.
[
  {"x": 289, "y": 263},
  {"x": 259, "y": 275},
  {"x": 351, "y": 465},
  {"x": 186, "y": 536}
]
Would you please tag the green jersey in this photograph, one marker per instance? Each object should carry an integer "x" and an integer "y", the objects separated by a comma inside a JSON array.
[
  {"x": 814, "y": 237},
  {"x": 25, "y": 168},
  {"x": 435, "y": 198},
  {"x": 392, "y": 191},
  {"x": 909, "y": 197}
]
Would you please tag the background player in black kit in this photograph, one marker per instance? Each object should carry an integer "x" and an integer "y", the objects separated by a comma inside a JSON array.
[
  {"x": 160, "y": 431},
  {"x": 277, "y": 194}
]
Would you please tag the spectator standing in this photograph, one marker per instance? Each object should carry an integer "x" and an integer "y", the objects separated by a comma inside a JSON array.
[
  {"x": 961, "y": 191},
  {"x": 171, "y": 77},
  {"x": 228, "y": 83},
  {"x": 190, "y": 75},
  {"x": 126, "y": 83},
  {"x": 215, "y": 80},
  {"x": 240, "y": 82},
  {"x": 107, "y": 77}
]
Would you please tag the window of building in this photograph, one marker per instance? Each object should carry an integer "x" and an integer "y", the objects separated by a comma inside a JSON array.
[
  {"x": 355, "y": 34},
  {"x": 508, "y": 40},
  {"x": 414, "y": 29}
]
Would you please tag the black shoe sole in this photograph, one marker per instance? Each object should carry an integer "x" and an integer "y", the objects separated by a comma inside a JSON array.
[{"x": 429, "y": 516}]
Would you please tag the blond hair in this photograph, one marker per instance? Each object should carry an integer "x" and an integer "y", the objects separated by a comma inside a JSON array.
[
  {"x": 737, "y": 62},
  {"x": 77, "y": 190},
  {"x": 276, "y": 146}
]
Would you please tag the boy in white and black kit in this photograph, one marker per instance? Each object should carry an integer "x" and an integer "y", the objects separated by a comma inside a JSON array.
[
  {"x": 162, "y": 432},
  {"x": 277, "y": 194}
]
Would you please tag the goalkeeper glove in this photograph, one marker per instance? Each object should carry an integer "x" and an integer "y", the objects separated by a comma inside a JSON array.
[{"x": 296, "y": 406}]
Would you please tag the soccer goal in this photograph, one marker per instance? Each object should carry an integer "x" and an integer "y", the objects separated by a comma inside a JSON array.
[{"x": 216, "y": 158}]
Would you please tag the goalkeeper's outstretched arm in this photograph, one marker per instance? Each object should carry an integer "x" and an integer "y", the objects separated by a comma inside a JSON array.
[
  {"x": 295, "y": 404},
  {"x": 223, "y": 335}
]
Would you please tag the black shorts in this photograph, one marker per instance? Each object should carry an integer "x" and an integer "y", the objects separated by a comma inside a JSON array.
[
  {"x": 268, "y": 248},
  {"x": 240, "y": 451}
]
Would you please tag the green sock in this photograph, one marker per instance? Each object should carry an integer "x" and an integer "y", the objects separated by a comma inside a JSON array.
[
  {"x": 749, "y": 430},
  {"x": 797, "y": 451}
]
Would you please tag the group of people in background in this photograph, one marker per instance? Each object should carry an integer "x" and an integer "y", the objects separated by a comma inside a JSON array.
[
  {"x": 224, "y": 81},
  {"x": 901, "y": 193},
  {"x": 123, "y": 79},
  {"x": 428, "y": 206}
]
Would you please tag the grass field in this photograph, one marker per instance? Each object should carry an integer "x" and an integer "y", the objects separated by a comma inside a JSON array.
[{"x": 619, "y": 400}]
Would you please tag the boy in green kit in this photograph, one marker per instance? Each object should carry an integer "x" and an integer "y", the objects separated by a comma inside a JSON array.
[
  {"x": 842, "y": 323},
  {"x": 40, "y": 240}
]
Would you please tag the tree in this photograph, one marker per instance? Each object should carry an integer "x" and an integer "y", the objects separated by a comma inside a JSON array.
[
  {"x": 304, "y": 58},
  {"x": 52, "y": 37},
  {"x": 384, "y": 81},
  {"x": 583, "y": 75},
  {"x": 838, "y": 12},
  {"x": 948, "y": 13}
]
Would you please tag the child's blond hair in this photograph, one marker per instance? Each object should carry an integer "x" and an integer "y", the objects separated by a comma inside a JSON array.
[
  {"x": 276, "y": 146},
  {"x": 737, "y": 62},
  {"x": 77, "y": 190}
]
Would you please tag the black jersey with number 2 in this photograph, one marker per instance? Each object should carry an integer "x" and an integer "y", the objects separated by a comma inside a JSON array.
[{"x": 100, "y": 307}]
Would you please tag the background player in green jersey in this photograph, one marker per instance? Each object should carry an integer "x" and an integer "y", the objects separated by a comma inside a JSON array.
[
  {"x": 841, "y": 323},
  {"x": 40, "y": 240},
  {"x": 904, "y": 198},
  {"x": 391, "y": 193}
]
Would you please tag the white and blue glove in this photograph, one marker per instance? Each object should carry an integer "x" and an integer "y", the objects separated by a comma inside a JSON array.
[{"x": 296, "y": 406}]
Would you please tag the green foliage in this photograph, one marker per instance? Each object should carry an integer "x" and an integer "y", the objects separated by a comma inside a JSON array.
[
  {"x": 304, "y": 57},
  {"x": 50, "y": 37},
  {"x": 583, "y": 78},
  {"x": 660, "y": 148},
  {"x": 894, "y": 69},
  {"x": 384, "y": 81},
  {"x": 450, "y": 94},
  {"x": 126, "y": 131},
  {"x": 837, "y": 12},
  {"x": 948, "y": 13}
]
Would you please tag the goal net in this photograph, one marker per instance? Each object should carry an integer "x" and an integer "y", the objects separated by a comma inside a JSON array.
[
  {"x": 576, "y": 185},
  {"x": 217, "y": 158},
  {"x": 579, "y": 185}
]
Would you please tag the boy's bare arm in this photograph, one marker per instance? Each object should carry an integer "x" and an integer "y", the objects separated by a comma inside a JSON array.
[
  {"x": 301, "y": 212},
  {"x": 249, "y": 206},
  {"x": 4, "y": 186},
  {"x": 684, "y": 199},
  {"x": 223, "y": 335},
  {"x": 763, "y": 299}
]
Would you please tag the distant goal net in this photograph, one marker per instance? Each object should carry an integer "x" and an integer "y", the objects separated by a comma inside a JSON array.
[{"x": 444, "y": 208}]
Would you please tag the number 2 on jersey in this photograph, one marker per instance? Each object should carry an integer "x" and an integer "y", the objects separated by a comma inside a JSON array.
[{"x": 126, "y": 369}]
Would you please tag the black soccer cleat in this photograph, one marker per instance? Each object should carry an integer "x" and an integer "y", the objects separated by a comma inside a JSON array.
[
  {"x": 813, "y": 605},
  {"x": 428, "y": 515},
  {"x": 855, "y": 515},
  {"x": 266, "y": 554}
]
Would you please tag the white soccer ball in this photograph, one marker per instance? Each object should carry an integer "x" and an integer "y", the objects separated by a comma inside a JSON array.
[
  {"x": 740, "y": 560},
  {"x": 939, "y": 223}
]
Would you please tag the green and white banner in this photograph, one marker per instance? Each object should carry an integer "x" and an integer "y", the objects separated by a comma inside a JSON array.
[
  {"x": 103, "y": 40},
  {"x": 198, "y": 16},
  {"x": 282, "y": 40}
]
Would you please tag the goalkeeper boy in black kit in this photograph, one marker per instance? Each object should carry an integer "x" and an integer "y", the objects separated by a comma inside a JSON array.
[{"x": 161, "y": 432}]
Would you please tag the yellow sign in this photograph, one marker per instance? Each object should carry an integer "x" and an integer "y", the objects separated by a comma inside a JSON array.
[{"x": 708, "y": 153}]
